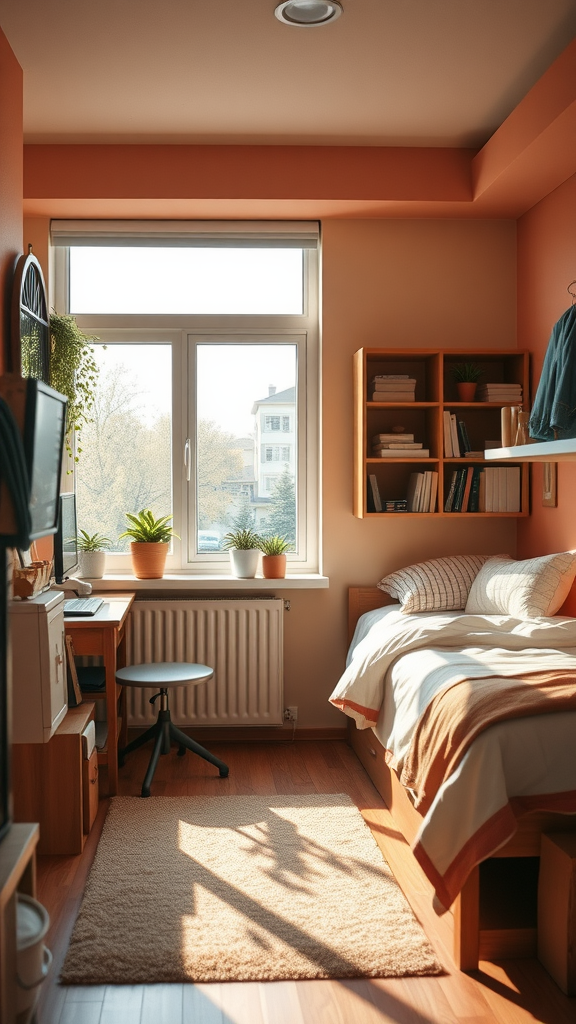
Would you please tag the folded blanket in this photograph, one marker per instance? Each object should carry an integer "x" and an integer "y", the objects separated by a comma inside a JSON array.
[{"x": 455, "y": 716}]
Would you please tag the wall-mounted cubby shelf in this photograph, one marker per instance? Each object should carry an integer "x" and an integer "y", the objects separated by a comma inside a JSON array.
[{"x": 435, "y": 393}]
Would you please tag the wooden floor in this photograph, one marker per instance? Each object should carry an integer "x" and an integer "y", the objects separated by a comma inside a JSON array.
[{"x": 514, "y": 992}]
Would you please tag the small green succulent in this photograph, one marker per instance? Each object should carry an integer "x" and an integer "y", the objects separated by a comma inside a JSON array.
[
  {"x": 242, "y": 540},
  {"x": 146, "y": 529},
  {"x": 275, "y": 545},
  {"x": 92, "y": 542}
]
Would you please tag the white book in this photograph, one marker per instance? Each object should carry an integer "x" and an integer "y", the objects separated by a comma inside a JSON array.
[
  {"x": 512, "y": 488},
  {"x": 393, "y": 385},
  {"x": 413, "y": 491},
  {"x": 433, "y": 492},
  {"x": 405, "y": 446},
  {"x": 426, "y": 489},
  {"x": 489, "y": 492},
  {"x": 448, "y": 452},
  {"x": 393, "y": 376},
  {"x": 401, "y": 453},
  {"x": 454, "y": 436}
]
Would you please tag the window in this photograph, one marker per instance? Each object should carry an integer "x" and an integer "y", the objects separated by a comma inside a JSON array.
[{"x": 207, "y": 344}]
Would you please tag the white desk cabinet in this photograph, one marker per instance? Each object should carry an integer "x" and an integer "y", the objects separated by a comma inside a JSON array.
[{"x": 39, "y": 687}]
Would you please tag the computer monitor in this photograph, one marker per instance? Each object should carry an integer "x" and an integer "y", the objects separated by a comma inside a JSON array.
[
  {"x": 44, "y": 427},
  {"x": 66, "y": 539}
]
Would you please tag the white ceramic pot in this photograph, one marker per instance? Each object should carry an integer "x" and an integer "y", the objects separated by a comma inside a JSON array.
[
  {"x": 33, "y": 959},
  {"x": 92, "y": 564},
  {"x": 244, "y": 563}
]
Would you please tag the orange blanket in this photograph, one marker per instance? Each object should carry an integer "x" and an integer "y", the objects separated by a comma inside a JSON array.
[{"x": 455, "y": 716}]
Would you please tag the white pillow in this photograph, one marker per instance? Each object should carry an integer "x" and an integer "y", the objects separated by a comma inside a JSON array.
[
  {"x": 442, "y": 584},
  {"x": 527, "y": 589}
]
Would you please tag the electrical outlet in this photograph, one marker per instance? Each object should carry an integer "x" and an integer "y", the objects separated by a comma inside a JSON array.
[{"x": 291, "y": 714}]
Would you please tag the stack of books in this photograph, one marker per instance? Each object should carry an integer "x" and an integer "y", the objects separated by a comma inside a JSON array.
[
  {"x": 504, "y": 394},
  {"x": 398, "y": 446},
  {"x": 393, "y": 387},
  {"x": 484, "y": 489},
  {"x": 422, "y": 491}
]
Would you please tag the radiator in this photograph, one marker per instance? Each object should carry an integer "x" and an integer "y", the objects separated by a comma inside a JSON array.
[{"x": 242, "y": 640}]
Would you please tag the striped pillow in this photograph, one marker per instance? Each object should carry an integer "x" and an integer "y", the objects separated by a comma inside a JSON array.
[
  {"x": 526, "y": 590},
  {"x": 442, "y": 584}
]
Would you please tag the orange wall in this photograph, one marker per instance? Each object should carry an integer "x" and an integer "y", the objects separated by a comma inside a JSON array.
[
  {"x": 10, "y": 183},
  {"x": 546, "y": 266}
]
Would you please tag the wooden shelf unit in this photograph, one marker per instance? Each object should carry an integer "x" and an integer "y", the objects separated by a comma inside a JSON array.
[{"x": 435, "y": 393}]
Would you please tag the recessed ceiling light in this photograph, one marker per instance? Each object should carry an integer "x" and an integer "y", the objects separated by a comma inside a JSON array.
[{"x": 308, "y": 13}]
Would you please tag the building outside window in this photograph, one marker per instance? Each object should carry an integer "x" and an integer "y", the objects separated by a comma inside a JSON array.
[{"x": 191, "y": 331}]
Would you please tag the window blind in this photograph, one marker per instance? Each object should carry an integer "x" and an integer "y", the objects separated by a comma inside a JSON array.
[{"x": 187, "y": 233}]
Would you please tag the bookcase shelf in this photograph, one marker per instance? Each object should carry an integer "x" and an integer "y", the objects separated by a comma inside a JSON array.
[{"x": 435, "y": 393}]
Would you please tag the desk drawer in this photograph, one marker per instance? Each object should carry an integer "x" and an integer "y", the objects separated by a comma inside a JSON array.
[{"x": 89, "y": 790}]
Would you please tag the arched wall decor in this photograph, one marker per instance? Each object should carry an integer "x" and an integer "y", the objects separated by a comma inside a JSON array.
[{"x": 30, "y": 328}]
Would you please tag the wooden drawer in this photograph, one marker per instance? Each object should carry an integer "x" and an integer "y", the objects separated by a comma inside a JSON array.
[{"x": 89, "y": 790}]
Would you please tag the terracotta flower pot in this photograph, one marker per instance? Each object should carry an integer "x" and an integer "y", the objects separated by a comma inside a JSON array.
[
  {"x": 466, "y": 390},
  {"x": 274, "y": 567},
  {"x": 148, "y": 560}
]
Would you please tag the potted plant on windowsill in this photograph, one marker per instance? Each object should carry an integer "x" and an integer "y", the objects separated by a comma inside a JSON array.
[
  {"x": 92, "y": 548},
  {"x": 466, "y": 376},
  {"x": 150, "y": 542},
  {"x": 244, "y": 548},
  {"x": 274, "y": 557}
]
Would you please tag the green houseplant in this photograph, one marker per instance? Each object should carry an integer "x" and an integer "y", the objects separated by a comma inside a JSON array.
[
  {"x": 74, "y": 373},
  {"x": 149, "y": 545},
  {"x": 92, "y": 548},
  {"x": 274, "y": 550},
  {"x": 244, "y": 547},
  {"x": 466, "y": 376}
]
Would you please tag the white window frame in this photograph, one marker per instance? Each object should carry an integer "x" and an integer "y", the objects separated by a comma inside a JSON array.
[{"x": 184, "y": 332}]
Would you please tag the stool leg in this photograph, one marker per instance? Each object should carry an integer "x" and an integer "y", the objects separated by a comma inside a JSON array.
[
  {"x": 190, "y": 744},
  {"x": 138, "y": 742},
  {"x": 155, "y": 757}
]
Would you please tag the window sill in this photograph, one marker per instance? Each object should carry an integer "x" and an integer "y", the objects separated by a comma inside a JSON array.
[{"x": 176, "y": 582}]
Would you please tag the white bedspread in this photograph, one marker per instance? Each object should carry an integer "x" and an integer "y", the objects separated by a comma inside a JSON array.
[{"x": 397, "y": 663}]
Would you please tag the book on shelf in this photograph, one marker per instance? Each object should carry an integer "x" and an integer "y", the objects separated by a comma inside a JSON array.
[
  {"x": 464, "y": 440},
  {"x": 448, "y": 450},
  {"x": 395, "y": 505},
  {"x": 433, "y": 492},
  {"x": 394, "y": 438},
  {"x": 451, "y": 491},
  {"x": 405, "y": 446},
  {"x": 474, "y": 455},
  {"x": 401, "y": 453},
  {"x": 454, "y": 436},
  {"x": 474, "y": 499},
  {"x": 393, "y": 376},
  {"x": 414, "y": 490},
  {"x": 426, "y": 488},
  {"x": 467, "y": 488},
  {"x": 374, "y": 493},
  {"x": 392, "y": 396},
  {"x": 386, "y": 384}
]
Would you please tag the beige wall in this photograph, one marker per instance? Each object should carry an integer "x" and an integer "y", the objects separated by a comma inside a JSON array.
[{"x": 396, "y": 283}]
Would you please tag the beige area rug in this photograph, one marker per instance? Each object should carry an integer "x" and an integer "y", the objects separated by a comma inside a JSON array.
[{"x": 239, "y": 888}]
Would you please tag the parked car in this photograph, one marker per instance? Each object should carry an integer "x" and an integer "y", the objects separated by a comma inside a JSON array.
[{"x": 208, "y": 540}]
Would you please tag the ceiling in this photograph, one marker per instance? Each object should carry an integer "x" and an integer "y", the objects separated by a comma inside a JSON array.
[{"x": 388, "y": 72}]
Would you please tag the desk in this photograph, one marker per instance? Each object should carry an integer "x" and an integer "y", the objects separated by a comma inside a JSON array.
[{"x": 103, "y": 634}]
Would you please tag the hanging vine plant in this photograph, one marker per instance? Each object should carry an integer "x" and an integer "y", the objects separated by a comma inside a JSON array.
[{"x": 74, "y": 373}]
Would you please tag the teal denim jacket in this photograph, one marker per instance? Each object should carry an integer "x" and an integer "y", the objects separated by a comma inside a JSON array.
[{"x": 553, "y": 414}]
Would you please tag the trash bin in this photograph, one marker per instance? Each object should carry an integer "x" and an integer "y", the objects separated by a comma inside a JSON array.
[{"x": 33, "y": 959}]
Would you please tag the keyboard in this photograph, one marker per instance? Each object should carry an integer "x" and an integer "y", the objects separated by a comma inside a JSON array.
[{"x": 83, "y": 605}]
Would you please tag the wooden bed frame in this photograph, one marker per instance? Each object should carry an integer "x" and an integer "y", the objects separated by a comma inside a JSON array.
[{"x": 471, "y": 941}]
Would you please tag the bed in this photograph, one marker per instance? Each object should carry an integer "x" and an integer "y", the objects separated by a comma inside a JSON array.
[{"x": 490, "y": 800}]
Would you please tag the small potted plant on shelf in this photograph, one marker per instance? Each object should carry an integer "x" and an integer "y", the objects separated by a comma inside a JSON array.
[
  {"x": 274, "y": 556},
  {"x": 466, "y": 376},
  {"x": 150, "y": 542},
  {"x": 244, "y": 547},
  {"x": 92, "y": 548}
]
